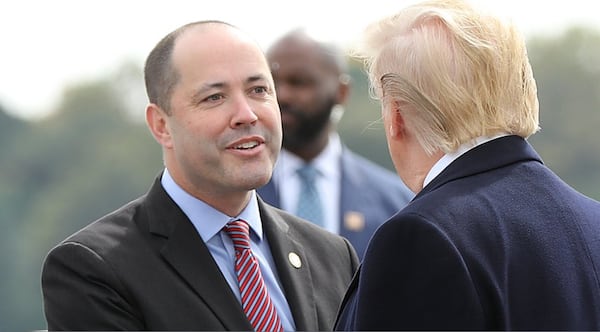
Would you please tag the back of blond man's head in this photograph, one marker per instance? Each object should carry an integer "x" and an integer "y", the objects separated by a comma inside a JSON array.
[{"x": 461, "y": 73}]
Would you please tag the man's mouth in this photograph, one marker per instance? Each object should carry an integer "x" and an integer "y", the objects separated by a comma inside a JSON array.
[{"x": 247, "y": 145}]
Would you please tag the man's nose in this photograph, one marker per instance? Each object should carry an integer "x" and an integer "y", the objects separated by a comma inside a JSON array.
[{"x": 243, "y": 112}]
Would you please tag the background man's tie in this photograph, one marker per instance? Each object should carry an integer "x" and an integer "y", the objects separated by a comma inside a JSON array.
[
  {"x": 309, "y": 203},
  {"x": 256, "y": 301}
]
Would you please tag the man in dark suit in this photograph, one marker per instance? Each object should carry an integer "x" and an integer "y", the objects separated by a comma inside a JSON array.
[
  {"x": 493, "y": 240},
  {"x": 312, "y": 86},
  {"x": 166, "y": 260}
]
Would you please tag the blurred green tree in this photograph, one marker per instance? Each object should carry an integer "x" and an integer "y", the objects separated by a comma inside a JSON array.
[
  {"x": 361, "y": 127},
  {"x": 64, "y": 171},
  {"x": 567, "y": 70}
]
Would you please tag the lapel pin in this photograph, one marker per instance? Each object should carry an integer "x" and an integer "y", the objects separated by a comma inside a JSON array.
[
  {"x": 354, "y": 221},
  {"x": 295, "y": 260}
]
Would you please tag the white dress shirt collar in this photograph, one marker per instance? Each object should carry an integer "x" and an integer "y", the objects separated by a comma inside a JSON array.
[
  {"x": 326, "y": 162},
  {"x": 328, "y": 183},
  {"x": 448, "y": 158}
]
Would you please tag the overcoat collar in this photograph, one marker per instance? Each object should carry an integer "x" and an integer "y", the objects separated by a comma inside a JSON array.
[{"x": 487, "y": 156}]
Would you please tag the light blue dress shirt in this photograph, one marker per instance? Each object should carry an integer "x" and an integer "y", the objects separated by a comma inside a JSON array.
[
  {"x": 328, "y": 165},
  {"x": 209, "y": 223}
]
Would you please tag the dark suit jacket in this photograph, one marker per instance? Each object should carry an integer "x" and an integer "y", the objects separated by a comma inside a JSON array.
[
  {"x": 144, "y": 267},
  {"x": 496, "y": 241},
  {"x": 368, "y": 191}
]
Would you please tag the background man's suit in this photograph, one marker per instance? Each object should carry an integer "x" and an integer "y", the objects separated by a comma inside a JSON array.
[
  {"x": 369, "y": 193},
  {"x": 144, "y": 267},
  {"x": 529, "y": 259}
]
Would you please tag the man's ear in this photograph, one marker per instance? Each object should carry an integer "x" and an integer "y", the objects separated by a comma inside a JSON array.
[
  {"x": 343, "y": 90},
  {"x": 156, "y": 119},
  {"x": 397, "y": 124}
]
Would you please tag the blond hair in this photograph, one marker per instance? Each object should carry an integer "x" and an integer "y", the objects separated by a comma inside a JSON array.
[{"x": 463, "y": 74}]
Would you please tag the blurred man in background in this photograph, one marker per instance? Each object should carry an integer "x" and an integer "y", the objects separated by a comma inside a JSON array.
[{"x": 316, "y": 176}]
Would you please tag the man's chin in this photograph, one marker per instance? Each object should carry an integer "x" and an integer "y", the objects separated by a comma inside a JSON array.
[
  {"x": 294, "y": 144},
  {"x": 256, "y": 179}
]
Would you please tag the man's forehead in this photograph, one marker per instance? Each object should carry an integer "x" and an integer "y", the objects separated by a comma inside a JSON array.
[
  {"x": 300, "y": 54},
  {"x": 217, "y": 46},
  {"x": 213, "y": 37},
  {"x": 258, "y": 77}
]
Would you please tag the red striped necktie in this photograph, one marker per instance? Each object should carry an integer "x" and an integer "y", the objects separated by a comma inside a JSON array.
[{"x": 256, "y": 301}]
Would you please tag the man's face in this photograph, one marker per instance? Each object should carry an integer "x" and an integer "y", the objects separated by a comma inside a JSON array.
[
  {"x": 306, "y": 90},
  {"x": 225, "y": 123}
]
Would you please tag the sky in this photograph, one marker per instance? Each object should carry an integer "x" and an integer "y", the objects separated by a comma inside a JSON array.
[{"x": 48, "y": 45}]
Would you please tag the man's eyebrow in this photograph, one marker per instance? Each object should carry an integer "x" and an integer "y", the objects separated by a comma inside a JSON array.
[
  {"x": 204, "y": 88},
  {"x": 257, "y": 77},
  {"x": 219, "y": 85}
]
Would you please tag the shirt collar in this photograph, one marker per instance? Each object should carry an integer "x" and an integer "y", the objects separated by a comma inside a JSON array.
[
  {"x": 326, "y": 162},
  {"x": 448, "y": 158},
  {"x": 207, "y": 220}
]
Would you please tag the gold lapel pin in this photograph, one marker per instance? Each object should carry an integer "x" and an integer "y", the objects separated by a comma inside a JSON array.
[
  {"x": 295, "y": 260},
  {"x": 354, "y": 221}
]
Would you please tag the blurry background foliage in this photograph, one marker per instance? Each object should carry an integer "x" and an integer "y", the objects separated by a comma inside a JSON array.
[{"x": 94, "y": 153}]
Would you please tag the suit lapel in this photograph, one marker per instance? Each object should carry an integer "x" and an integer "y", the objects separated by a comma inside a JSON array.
[
  {"x": 352, "y": 190},
  {"x": 269, "y": 192},
  {"x": 296, "y": 281},
  {"x": 185, "y": 251}
]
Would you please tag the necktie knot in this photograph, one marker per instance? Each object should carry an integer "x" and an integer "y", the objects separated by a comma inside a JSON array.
[
  {"x": 239, "y": 232},
  {"x": 308, "y": 173}
]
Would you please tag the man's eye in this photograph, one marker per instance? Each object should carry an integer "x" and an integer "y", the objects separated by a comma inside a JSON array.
[
  {"x": 260, "y": 89},
  {"x": 215, "y": 97},
  {"x": 299, "y": 82}
]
